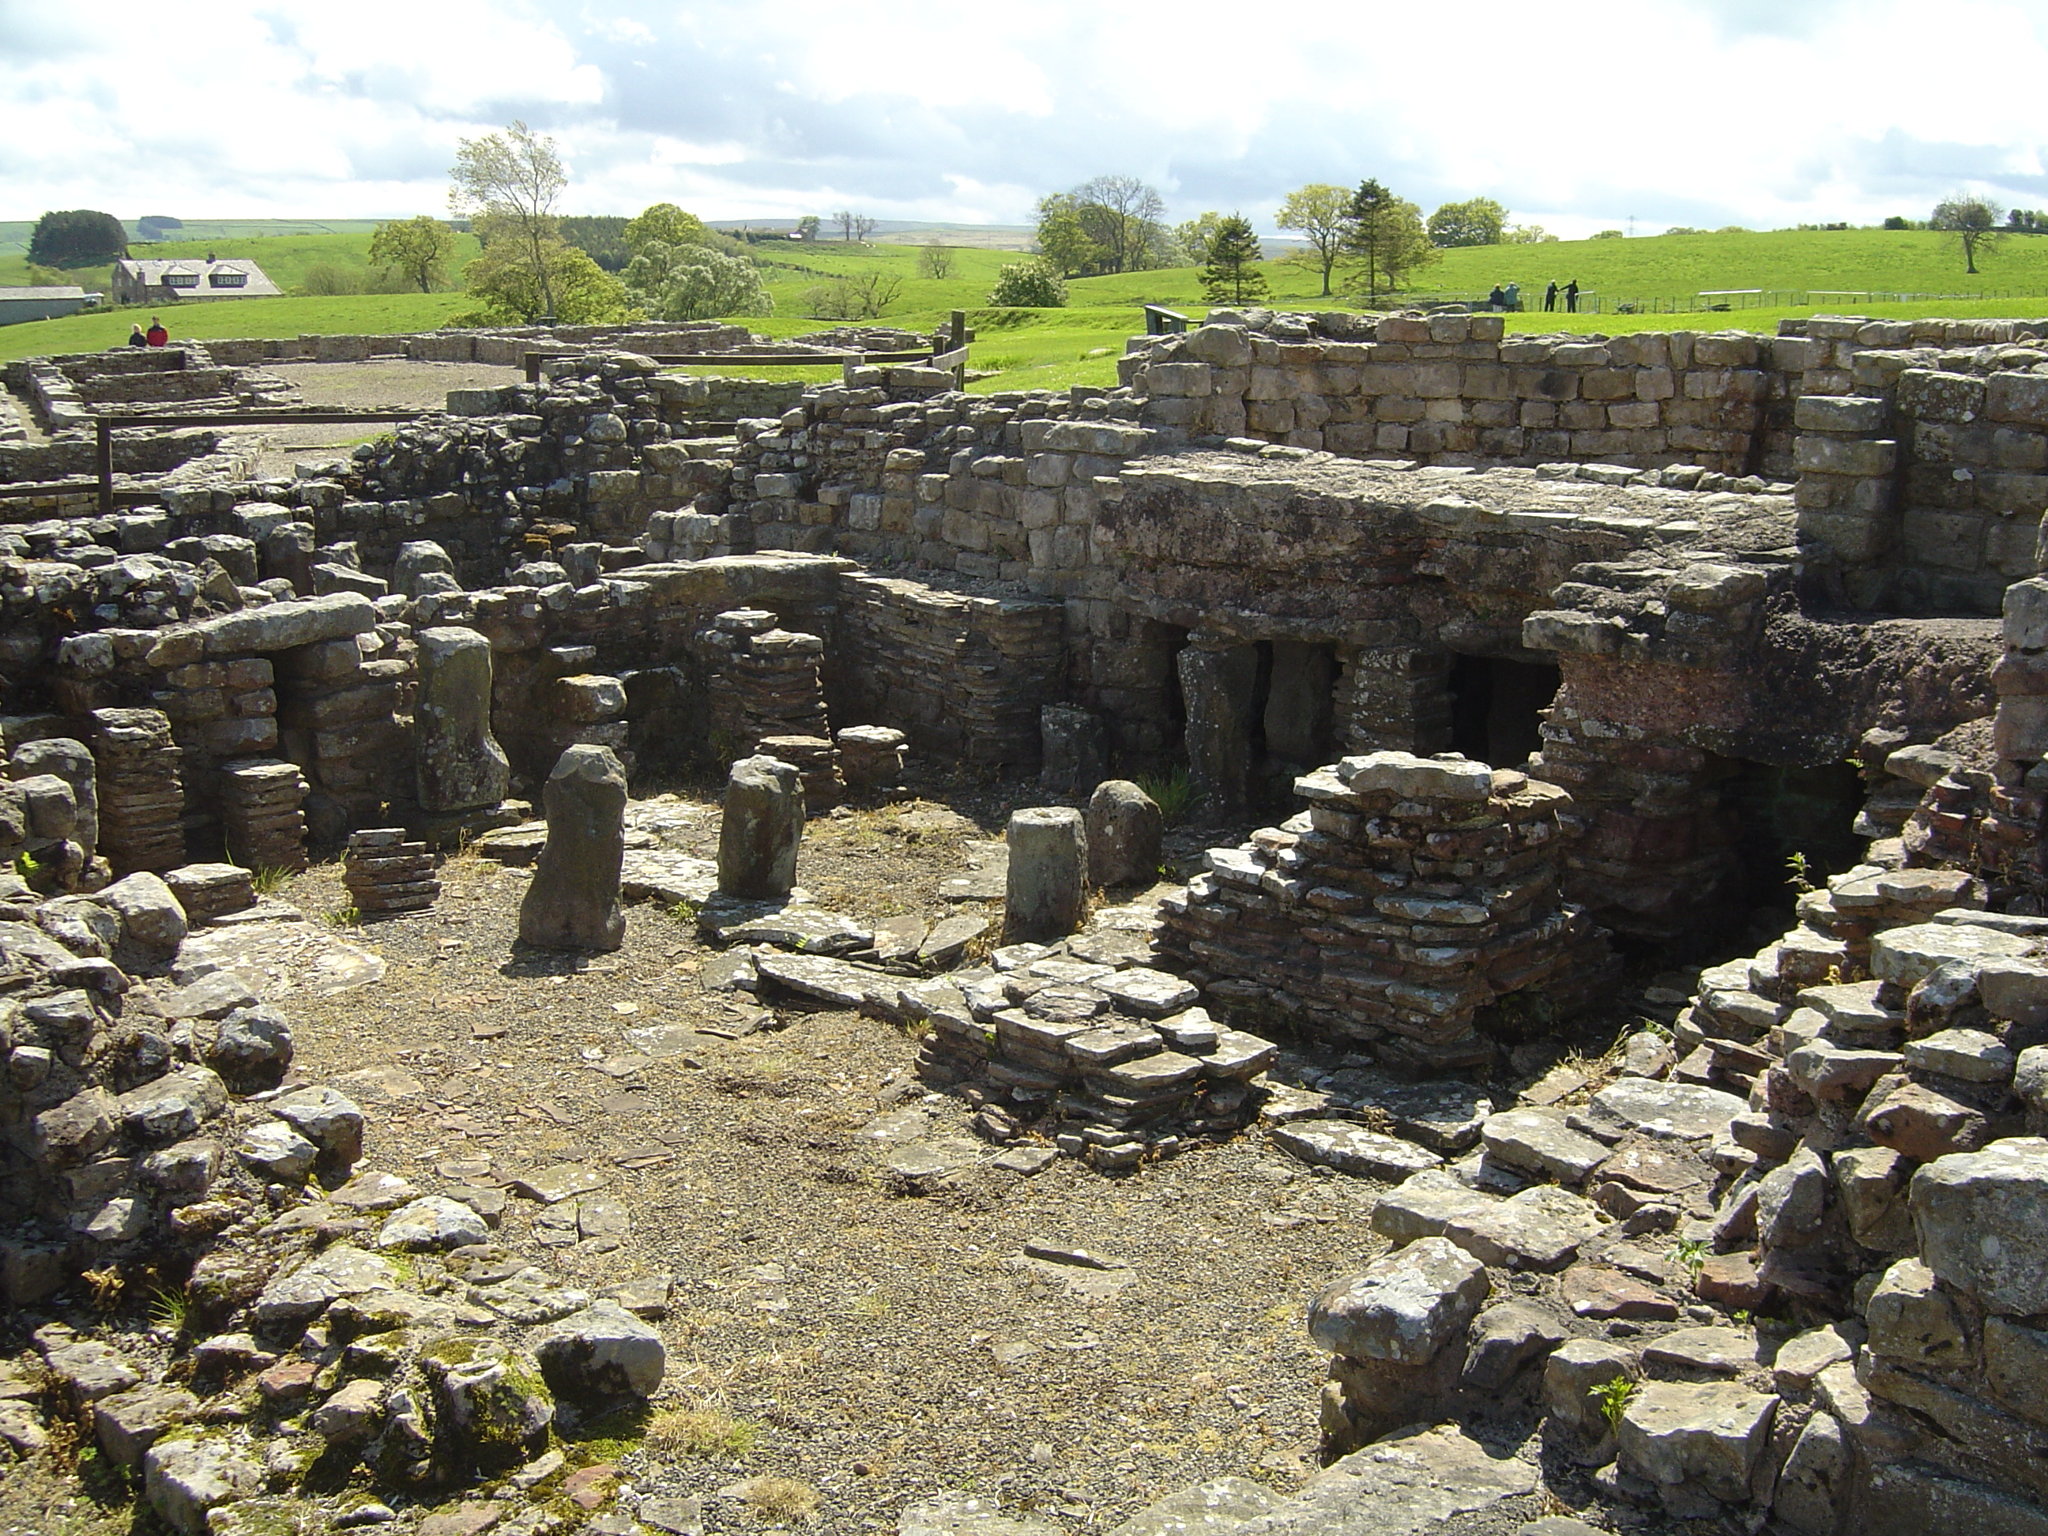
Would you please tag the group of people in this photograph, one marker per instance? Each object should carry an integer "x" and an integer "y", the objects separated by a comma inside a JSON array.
[
  {"x": 1509, "y": 298},
  {"x": 155, "y": 336}
]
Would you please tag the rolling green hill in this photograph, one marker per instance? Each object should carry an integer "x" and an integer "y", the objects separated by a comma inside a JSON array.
[{"x": 1080, "y": 344}]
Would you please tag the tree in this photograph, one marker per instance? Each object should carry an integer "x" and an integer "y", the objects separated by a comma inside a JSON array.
[
  {"x": 516, "y": 178},
  {"x": 807, "y": 227},
  {"x": 853, "y": 226},
  {"x": 935, "y": 262},
  {"x": 1191, "y": 238},
  {"x": 1476, "y": 221},
  {"x": 418, "y": 247},
  {"x": 601, "y": 237},
  {"x": 857, "y": 296},
  {"x": 664, "y": 224},
  {"x": 1386, "y": 238},
  {"x": 1232, "y": 275},
  {"x": 1898, "y": 221},
  {"x": 1107, "y": 224},
  {"x": 694, "y": 282},
  {"x": 1606, "y": 234},
  {"x": 1121, "y": 215},
  {"x": 1527, "y": 234},
  {"x": 77, "y": 237},
  {"x": 1321, "y": 214},
  {"x": 1062, "y": 240},
  {"x": 1030, "y": 285},
  {"x": 1972, "y": 220},
  {"x": 576, "y": 291}
]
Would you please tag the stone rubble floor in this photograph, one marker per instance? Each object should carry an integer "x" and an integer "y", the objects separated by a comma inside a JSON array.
[{"x": 849, "y": 1270}]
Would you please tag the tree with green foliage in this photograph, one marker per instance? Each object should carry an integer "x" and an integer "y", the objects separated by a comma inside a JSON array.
[
  {"x": 601, "y": 237},
  {"x": 1386, "y": 240},
  {"x": 1030, "y": 285},
  {"x": 1107, "y": 224},
  {"x": 1232, "y": 275},
  {"x": 77, "y": 237},
  {"x": 693, "y": 282},
  {"x": 515, "y": 178},
  {"x": 665, "y": 224},
  {"x": 807, "y": 227},
  {"x": 1476, "y": 221},
  {"x": 567, "y": 284},
  {"x": 1527, "y": 234},
  {"x": 418, "y": 247},
  {"x": 935, "y": 262},
  {"x": 1973, "y": 220},
  {"x": 1192, "y": 236},
  {"x": 1063, "y": 241},
  {"x": 1321, "y": 214}
]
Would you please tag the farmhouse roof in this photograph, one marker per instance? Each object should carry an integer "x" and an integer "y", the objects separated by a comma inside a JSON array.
[
  {"x": 53, "y": 292},
  {"x": 153, "y": 270}
]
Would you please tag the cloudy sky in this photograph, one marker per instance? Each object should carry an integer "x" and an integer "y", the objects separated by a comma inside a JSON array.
[{"x": 1577, "y": 114}]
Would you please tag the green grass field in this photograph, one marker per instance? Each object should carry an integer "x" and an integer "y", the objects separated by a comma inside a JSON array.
[{"x": 1052, "y": 349}]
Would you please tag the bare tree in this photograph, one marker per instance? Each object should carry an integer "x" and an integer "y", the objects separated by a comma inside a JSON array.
[
  {"x": 853, "y": 226},
  {"x": 1972, "y": 220},
  {"x": 515, "y": 178},
  {"x": 1121, "y": 215}
]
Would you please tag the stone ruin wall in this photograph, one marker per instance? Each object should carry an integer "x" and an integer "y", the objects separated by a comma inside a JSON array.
[{"x": 1879, "y": 1064}]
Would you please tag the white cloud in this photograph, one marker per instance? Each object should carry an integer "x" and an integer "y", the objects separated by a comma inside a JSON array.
[{"x": 1577, "y": 115}]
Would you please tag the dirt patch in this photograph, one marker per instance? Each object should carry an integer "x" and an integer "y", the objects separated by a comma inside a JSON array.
[{"x": 395, "y": 383}]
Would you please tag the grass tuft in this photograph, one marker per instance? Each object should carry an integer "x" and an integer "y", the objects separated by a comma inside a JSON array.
[
  {"x": 781, "y": 1498},
  {"x": 706, "y": 1432},
  {"x": 1173, "y": 792}
]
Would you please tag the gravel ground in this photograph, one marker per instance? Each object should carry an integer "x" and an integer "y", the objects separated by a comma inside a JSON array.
[
  {"x": 378, "y": 382},
  {"x": 887, "y": 1345}
]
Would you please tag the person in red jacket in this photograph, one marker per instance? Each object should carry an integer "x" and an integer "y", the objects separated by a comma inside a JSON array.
[{"x": 157, "y": 336}]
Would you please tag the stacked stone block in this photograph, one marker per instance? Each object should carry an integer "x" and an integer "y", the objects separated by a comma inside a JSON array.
[
  {"x": 385, "y": 873},
  {"x": 1847, "y": 493},
  {"x": 1413, "y": 894},
  {"x": 262, "y": 814},
  {"x": 766, "y": 681},
  {"x": 1105, "y": 1058},
  {"x": 816, "y": 761},
  {"x": 967, "y": 673},
  {"x": 209, "y": 892},
  {"x": 141, "y": 789},
  {"x": 346, "y": 721},
  {"x": 872, "y": 758}
]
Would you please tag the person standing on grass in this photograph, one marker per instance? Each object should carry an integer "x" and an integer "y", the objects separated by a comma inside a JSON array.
[
  {"x": 156, "y": 336},
  {"x": 1550, "y": 295},
  {"x": 1514, "y": 298},
  {"x": 1571, "y": 297},
  {"x": 136, "y": 338}
]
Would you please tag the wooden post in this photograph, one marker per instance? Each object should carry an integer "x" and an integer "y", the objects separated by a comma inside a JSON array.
[
  {"x": 103, "y": 459},
  {"x": 957, "y": 332},
  {"x": 532, "y": 361}
]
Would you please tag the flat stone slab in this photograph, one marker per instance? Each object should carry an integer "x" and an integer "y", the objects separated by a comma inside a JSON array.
[
  {"x": 1404, "y": 1485},
  {"x": 1541, "y": 1228},
  {"x": 987, "y": 877},
  {"x": 826, "y": 980},
  {"x": 1906, "y": 955},
  {"x": 562, "y": 1181},
  {"x": 664, "y": 876},
  {"x": 1221, "y": 1505},
  {"x": 1718, "y": 1351},
  {"x": 1402, "y": 1307},
  {"x": 1444, "y": 1116},
  {"x": 1539, "y": 1141},
  {"x": 797, "y": 926},
  {"x": 279, "y": 959},
  {"x": 1679, "y": 1111},
  {"x": 1353, "y": 1149}
]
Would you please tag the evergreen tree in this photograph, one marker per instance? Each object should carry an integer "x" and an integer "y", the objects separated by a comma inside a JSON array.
[
  {"x": 1386, "y": 238},
  {"x": 1232, "y": 275},
  {"x": 77, "y": 237}
]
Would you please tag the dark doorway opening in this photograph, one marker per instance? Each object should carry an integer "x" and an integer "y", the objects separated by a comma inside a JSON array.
[
  {"x": 1497, "y": 707},
  {"x": 1788, "y": 825}
]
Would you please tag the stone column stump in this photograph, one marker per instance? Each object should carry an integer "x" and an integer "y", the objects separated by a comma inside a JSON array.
[
  {"x": 460, "y": 764},
  {"x": 762, "y": 830},
  {"x": 1125, "y": 830},
  {"x": 573, "y": 902},
  {"x": 1048, "y": 875}
]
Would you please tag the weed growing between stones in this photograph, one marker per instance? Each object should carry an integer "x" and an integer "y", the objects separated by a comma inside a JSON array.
[{"x": 1614, "y": 1396}]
